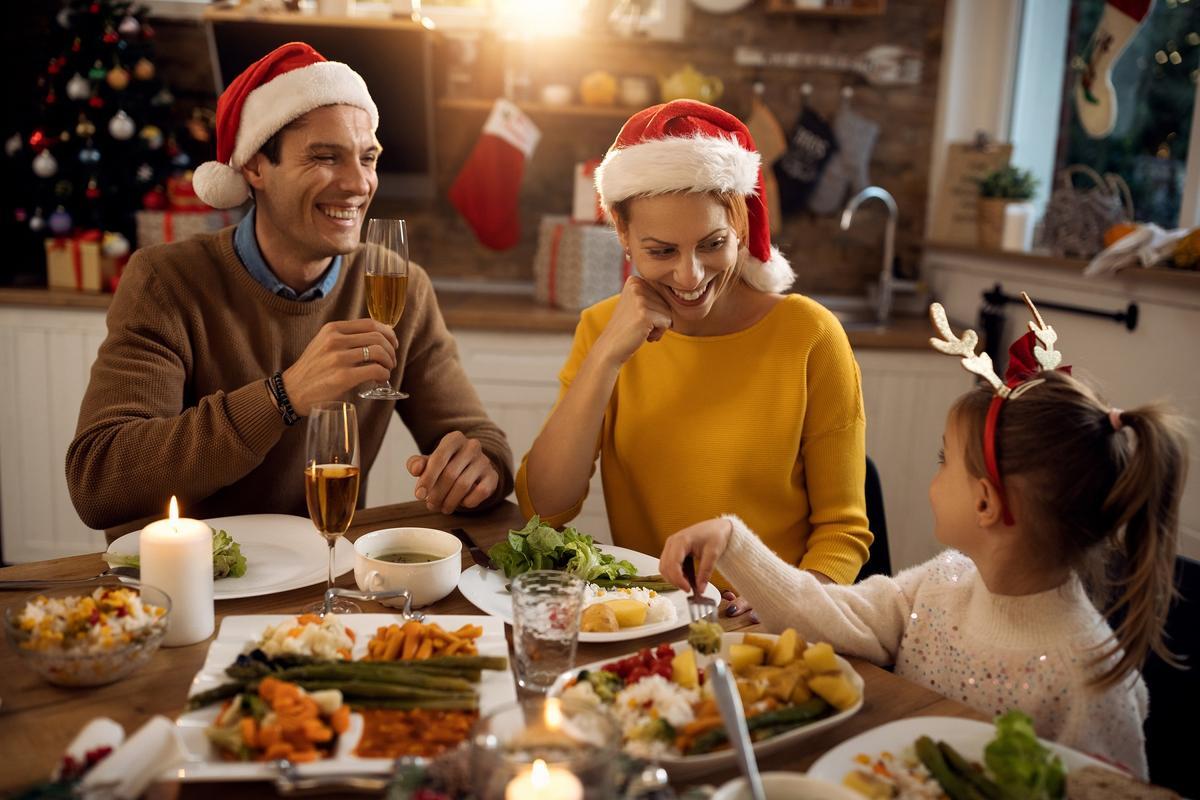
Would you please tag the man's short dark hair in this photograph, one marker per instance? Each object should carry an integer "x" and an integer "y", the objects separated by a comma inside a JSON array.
[{"x": 271, "y": 147}]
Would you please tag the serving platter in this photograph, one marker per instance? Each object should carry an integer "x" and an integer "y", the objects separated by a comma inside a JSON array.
[{"x": 239, "y": 634}]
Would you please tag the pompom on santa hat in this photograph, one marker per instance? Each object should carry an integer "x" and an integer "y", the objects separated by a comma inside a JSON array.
[
  {"x": 283, "y": 85},
  {"x": 688, "y": 146}
]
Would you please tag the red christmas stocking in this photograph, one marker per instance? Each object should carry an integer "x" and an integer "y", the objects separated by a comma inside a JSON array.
[
  {"x": 485, "y": 191},
  {"x": 1095, "y": 97}
]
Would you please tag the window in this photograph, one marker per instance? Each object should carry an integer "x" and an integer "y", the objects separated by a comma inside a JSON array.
[{"x": 1156, "y": 83}]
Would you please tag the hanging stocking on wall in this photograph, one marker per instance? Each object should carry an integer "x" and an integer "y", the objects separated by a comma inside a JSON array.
[
  {"x": 1095, "y": 97},
  {"x": 847, "y": 172},
  {"x": 485, "y": 191},
  {"x": 812, "y": 145}
]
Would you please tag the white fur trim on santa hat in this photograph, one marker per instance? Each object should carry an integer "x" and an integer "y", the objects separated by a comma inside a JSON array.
[
  {"x": 293, "y": 94},
  {"x": 677, "y": 164},
  {"x": 775, "y": 275},
  {"x": 220, "y": 185}
]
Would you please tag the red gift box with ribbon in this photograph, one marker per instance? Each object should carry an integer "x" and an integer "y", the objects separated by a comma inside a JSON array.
[
  {"x": 577, "y": 264},
  {"x": 173, "y": 225},
  {"x": 75, "y": 262}
]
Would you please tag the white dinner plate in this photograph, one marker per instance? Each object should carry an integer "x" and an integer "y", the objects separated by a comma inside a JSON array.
[
  {"x": 485, "y": 588},
  {"x": 967, "y": 736},
  {"x": 237, "y": 633},
  {"x": 282, "y": 553},
  {"x": 687, "y": 767}
]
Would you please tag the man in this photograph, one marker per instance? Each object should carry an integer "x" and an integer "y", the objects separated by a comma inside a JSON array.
[{"x": 219, "y": 345}]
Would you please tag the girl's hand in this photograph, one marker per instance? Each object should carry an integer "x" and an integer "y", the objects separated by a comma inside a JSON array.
[
  {"x": 704, "y": 542},
  {"x": 738, "y": 605},
  {"x": 642, "y": 315}
]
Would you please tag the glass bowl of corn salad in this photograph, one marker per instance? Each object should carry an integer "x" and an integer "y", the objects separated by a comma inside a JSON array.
[{"x": 89, "y": 633}]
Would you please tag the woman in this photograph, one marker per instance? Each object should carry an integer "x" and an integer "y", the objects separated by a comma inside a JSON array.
[{"x": 703, "y": 389}]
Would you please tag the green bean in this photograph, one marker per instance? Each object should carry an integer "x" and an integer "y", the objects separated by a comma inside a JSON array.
[
  {"x": 959, "y": 764},
  {"x": 955, "y": 787}
]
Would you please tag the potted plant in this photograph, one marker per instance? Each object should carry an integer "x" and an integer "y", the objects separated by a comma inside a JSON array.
[{"x": 1005, "y": 193}]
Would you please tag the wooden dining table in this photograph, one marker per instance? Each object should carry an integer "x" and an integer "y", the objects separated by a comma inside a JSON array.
[{"x": 38, "y": 720}]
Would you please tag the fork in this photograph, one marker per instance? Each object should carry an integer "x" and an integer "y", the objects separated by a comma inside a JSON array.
[{"x": 699, "y": 606}]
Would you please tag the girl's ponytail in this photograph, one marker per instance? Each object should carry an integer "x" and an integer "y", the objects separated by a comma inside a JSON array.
[{"x": 1144, "y": 505}]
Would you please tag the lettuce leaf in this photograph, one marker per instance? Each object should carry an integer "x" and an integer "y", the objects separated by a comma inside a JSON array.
[
  {"x": 228, "y": 561},
  {"x": 539, "y": 546},
  {"x": 1020, "y": 764}
]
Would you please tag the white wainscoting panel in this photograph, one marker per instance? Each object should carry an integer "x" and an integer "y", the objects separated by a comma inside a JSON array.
[
  {"x": 907, "y": 395},
  {"x": 45, "y": 360}
]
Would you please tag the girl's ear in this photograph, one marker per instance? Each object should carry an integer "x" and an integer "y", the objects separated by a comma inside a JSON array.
[{"x": 989, "y": 510}]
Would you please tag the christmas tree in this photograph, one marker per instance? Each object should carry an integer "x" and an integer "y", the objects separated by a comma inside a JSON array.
[{"x": 98, "y": 138}]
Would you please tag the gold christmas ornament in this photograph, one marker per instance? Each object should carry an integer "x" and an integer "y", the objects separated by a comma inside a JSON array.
[
  {"x": 118, "y": 78},
  {"x": 84, "y": 128},
  {"x": 143, "y": 70}
]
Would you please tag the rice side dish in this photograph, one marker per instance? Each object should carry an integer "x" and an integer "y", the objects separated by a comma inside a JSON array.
[
  {"x": 641, "y": 708},
  {"x": 902, "y": 777},
  {"x": 308, "y": 635},
  {"x": 107, "y": 619}
]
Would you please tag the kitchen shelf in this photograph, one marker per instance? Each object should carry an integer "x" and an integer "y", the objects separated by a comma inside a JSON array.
[
  {"x": 860, "y": 8},
  {"x": 572, "y": 110}
]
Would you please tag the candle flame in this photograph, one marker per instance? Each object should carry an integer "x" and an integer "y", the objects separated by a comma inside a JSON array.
[
  {"x": 539, "y": 776},
  {"x": 553, "y": 715},
  {"x": 173, "y": 514}
]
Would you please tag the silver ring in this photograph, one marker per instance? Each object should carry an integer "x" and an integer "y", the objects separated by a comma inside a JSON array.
[{"x": 366, "y": 353}]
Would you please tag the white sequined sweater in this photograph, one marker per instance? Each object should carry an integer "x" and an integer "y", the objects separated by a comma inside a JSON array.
[{"x": 938, "y": 624}]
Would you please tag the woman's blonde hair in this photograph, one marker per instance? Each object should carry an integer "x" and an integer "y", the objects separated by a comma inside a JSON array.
[{"x": 1103, "y": 499}]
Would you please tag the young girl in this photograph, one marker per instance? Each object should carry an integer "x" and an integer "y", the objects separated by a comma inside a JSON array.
[{"x": 1044, "y": 492}]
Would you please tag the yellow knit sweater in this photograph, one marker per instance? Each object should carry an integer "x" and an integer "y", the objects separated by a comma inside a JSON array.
[{"x": 766, "y": 423}]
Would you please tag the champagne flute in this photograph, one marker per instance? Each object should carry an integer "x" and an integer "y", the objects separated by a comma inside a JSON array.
[
  {"x": 331, "y": 473},
  {"x": 387, "y": 284}
]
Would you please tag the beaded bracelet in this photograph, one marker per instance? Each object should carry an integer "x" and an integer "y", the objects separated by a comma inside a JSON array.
[{"x": 275, "y": 384}]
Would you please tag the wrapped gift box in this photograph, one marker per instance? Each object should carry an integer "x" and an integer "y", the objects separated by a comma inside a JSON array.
[
  {"x": 577, "y": 264},
  {"x": 585, "y": 202},
  {"x": 173, "y": 225},
  {"x": 76, "y": 262}
]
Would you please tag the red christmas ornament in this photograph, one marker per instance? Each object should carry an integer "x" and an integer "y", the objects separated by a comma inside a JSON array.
[
  {"x": 94, "y": 8},
  {"x": 96, "y": 101},
  {"x": 76, "y": 45},
  {"x": 51, "y": 98},
  {"x": 93, "y": 191},
  {"x": 147, "y": 31},
  {"x": 110, "y": 37},
  {"x": 155, "y": 199},
  {"x": 53, "y": 68},
  {"x": 37, "y": 140}
]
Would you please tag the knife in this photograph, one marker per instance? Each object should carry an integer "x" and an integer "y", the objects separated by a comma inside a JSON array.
[{"x": 477, "y": 555}]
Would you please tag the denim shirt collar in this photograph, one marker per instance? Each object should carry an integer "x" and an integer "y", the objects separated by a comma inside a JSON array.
[{"x": 245, "y": 244}]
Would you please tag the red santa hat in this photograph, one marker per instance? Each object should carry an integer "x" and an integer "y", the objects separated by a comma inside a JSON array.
[
  {"x": 687, "y": 146},
  {"x": 283, "y": 85}
]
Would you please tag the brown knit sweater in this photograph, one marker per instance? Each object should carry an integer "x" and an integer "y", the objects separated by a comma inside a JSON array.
[{"x": 177, "y": 402}]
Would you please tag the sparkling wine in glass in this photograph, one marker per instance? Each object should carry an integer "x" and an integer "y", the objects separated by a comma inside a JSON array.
[
  {"x": 387, "y": 284},
  {"x": 331, "y": 473}
]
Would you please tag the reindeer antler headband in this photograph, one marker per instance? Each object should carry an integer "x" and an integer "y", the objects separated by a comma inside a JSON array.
[{"x": 1030, "y": 354}]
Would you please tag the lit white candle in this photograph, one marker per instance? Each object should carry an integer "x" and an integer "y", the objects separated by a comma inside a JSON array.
[
  {"x": 544, "y": 783},
  {"x": 176, "y": 556}
]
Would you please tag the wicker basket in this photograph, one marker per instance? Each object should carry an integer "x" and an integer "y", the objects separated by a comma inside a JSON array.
[{"x": 1076, "y": 218}]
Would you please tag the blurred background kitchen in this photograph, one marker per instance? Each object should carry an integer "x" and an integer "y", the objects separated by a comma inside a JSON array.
[{"x": 965, "y": 150}]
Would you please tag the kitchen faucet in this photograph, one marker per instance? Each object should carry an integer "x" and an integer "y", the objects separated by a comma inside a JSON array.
[{"x": 888, "y": 282}]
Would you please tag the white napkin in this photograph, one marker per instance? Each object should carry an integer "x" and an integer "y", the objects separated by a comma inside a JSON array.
[
  {"x": 125, "y": 774},
  {"x": 1145, "y": 247},
  {"x": 100, "y": 732}
]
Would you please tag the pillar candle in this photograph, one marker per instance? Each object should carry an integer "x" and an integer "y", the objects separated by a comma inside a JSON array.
[{"x": 176, "y": 556}]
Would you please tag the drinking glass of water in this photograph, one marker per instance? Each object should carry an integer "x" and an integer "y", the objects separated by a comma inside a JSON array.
[{"x": 546, "y": 608}]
